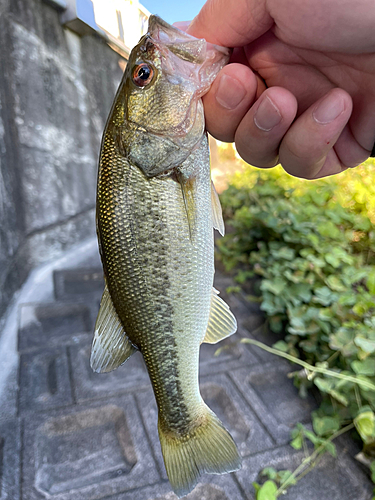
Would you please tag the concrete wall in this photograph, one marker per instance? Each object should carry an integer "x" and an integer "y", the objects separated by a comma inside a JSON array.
[{"x": 56, "y": 89}]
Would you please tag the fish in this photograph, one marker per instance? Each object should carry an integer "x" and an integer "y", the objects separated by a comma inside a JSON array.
[{"x": 156, "y": 213}]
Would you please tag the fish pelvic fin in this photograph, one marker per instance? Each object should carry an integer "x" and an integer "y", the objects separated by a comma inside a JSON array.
[
  {"x": 111, "y": 346},
  {"x": 221, "y": 322},
  {"x": 208, "y": 448}
]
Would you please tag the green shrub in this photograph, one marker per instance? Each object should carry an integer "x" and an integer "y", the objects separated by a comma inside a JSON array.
[{"x": 313, "y": 246}]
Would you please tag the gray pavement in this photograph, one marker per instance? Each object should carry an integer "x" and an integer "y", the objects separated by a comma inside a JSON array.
[{"x": 77, "y": 435}]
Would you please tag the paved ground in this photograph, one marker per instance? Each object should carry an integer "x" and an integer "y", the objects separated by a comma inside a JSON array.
[{"x": 83, "y": 436}]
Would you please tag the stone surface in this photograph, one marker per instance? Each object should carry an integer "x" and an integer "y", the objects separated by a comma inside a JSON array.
[
  {"x": 334, "y": 479},
  {"x": 72, "y": 284},
  {"x": 47, "y": 325},
  {"x": 232, "y": 355},
  {"x": 86, "y": 453},
  {"x": 209, "y": 488},
  {"x": 9, "y": 460},
  {"x": 274, "y": 398},
  {"x": 44, "y": 380},
  {"x": 56, "y": 90}
]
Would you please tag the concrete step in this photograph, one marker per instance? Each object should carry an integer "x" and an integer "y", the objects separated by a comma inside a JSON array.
[
  {"x": 53, "y": 324},
  {"x": 73, "y": 283}
]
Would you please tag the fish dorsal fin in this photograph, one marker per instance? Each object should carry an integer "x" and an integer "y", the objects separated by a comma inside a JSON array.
[
  {"x": 217, "y": 214},
  {"x": 221, "y": 323},
  {"x": 111, "y": 347}
]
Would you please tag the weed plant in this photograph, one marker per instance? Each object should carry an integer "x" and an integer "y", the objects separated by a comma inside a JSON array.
[{"x": 312, "y": 245}]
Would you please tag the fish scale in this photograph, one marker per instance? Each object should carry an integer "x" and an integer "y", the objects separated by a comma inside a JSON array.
[{"x": 156, "y": 208}]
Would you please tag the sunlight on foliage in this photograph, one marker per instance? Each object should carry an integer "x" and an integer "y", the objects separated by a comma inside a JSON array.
[{"x": 312, "y": 245}]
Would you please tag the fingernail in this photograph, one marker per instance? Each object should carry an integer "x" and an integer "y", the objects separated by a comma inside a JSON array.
[
  {"x": 267, "y": 115},
  {"x": 329, "y": 109},
  {"x": 230, "y": 92}
]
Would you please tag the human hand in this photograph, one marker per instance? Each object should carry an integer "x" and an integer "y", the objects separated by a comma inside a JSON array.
[{"x": 300, "y": 89}]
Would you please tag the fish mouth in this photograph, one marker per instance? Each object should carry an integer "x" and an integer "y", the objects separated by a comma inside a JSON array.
[{"x": 206, "y": 58}]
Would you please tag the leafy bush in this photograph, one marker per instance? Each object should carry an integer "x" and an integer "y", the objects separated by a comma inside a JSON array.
[{"x": 313, "y": 246}]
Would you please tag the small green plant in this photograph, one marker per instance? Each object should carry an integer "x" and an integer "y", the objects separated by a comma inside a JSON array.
[
  {"x": 312, "y": 246},
  {"x": 279, "y": 481}
]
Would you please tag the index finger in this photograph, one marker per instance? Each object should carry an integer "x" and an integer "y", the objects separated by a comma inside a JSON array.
[{"x": 231, "y": 24}]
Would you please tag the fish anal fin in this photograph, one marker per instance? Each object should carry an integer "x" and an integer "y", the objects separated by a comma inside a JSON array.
[
  {"x": 221, "y": 322},
  {"x": 217, "y": 214},
  {"x": 111, "y": 347}
]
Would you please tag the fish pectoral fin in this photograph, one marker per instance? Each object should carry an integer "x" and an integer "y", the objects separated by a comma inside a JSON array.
[
  {"x": 208, "y": 448},
  {"x": 111, "y": 346},
  {"x": 221, "y": 323},
  {"x": 217, "y": 214},
  {"x": 188, "y": 188}
]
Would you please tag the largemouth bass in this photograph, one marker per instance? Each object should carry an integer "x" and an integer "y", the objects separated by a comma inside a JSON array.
[{"x": 156, "y": 210}]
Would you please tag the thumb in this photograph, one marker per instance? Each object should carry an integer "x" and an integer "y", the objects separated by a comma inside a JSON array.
[{"x": 232, "y": 23}]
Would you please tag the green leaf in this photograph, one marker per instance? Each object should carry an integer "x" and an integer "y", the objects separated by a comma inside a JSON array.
[
  {"x": 366, "y": 367},
  {"x": 267, "y": 491},
  {"x": 284, "y": 253},
  {"x": 324, "y": 385},
  {"x": 341, "y": 339},
  {"x": 312, "y": 437},
  {"x": 331, "y": 448},
  {"x": 324, "y": 296},
  {"x": 371, "y": 282},
  {"x": 329, "y": 230},
  {"x": 366, "y": 345},
  {"x": 297, "y": 442},
  {"x": 276, "y": 286},
  {"x": 326, "y": 425},
  {"x": 281, "y": 345},
  {"x": 365, "y": 425},
  {"x": 339, "y": 397},
  {"x": 256, "y": 488},
  {"x": 335, "y": 284},
  {"x": 269, "y": 472},
  {"x": 333, "y": 260},
  {"x": 286, "y": 476}
]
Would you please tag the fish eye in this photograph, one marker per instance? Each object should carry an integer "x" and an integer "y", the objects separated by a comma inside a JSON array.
[{"x": 143, "y": 74}]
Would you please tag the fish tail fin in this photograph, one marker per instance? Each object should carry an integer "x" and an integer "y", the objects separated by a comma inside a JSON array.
[{"x": 208, "y": 448}]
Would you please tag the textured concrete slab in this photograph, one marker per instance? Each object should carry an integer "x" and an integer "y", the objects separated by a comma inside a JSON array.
[
  {"x": 10, "y": 449},
  {"x": 232, "y": 356},
  {"x": 49, "y": 325},
  {"x": 44, "y": 380},
  {"x": 131, "y": 376},
  {"x": 333, "y": 479},
  {"x": 86, "y": 453},
  {"x": 274, "y": 398},
  {"x": 73, "y": 283},
  {"x": 209, "y": 488},
  {"x": 262, "y": 334}
]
